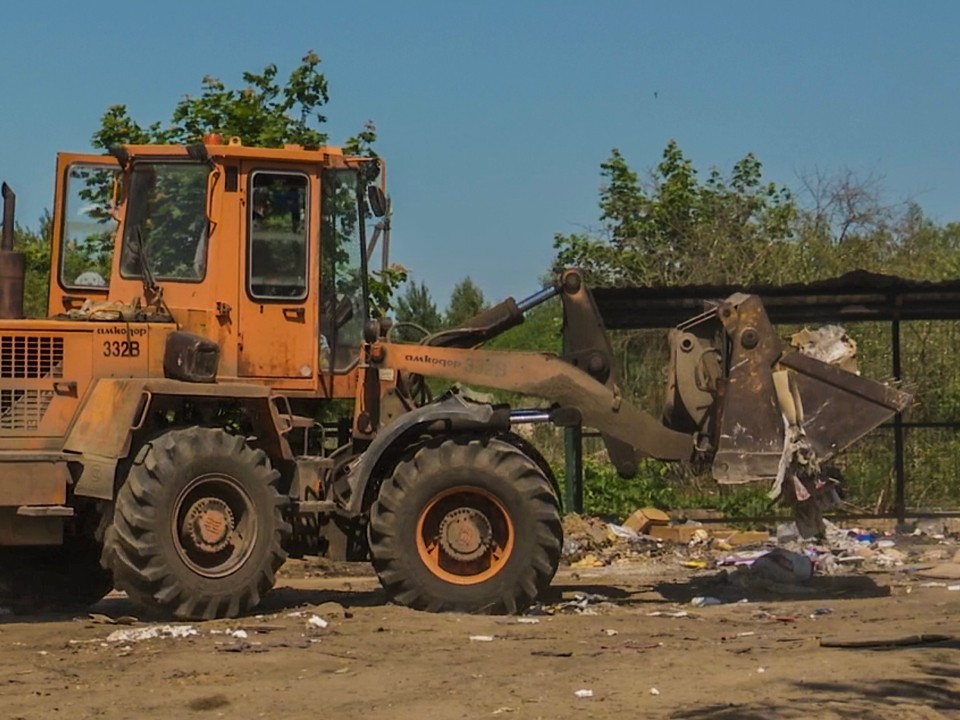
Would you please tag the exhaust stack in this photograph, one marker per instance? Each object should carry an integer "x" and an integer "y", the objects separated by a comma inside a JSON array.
[{"x": 12, "y": 265}]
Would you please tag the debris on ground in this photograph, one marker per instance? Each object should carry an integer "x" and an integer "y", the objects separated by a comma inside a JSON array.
[
  {"x": 705, "y": 601},
  {"x": 642, "y": 520},
  {"x": 732, "y": 565},
  {"x": 151, "y": 632}
]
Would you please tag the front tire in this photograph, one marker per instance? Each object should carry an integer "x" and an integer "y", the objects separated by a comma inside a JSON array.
[
  {"x": 468, "y": 525},
  {"x": 197, "y": 529}
]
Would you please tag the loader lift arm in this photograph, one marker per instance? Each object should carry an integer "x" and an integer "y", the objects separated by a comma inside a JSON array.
[{"x": 742, "y": 430}]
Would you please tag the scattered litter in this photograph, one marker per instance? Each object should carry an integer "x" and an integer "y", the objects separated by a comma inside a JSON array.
[
  {"x": 502, "y": 710},
  {"x": 333, "y": 610},
  {"x": 622, "y": 531},
  {"x": 257, "y": 647},
  {"x": 745, "y": 557},
  {"x": 240, "y": 634},
  {"x": 821, "y": 611},
  {"x": 904, "y": 641},
  {"x": 701, "y": 601},
  {"x": 783, "y": 566},
  {"x": 552, "y": 653},
  {"x": 953, "y": 587},
  {"x": 654, "y": 691},
  {"x": 527, "y": 621},
  {"x": 746, "y": 634},
  {"x": 946, "y": 571},
  {"x": 584, "y": 693},
  {"x": 101, "y": 619},
  {"x": 150, "y": 632},
  {"x": 317, "y": 621},
  {"x": 610, "y": 632},
  {"x": 580, "y": 604},
  {"x": 666, "y": 613},
  {"x": 695, "y": 564},
  {"x": 643, "y": 519},
  {"x": 778, "y": 618},
  {"x": 761, "y": 669},
  {"x": 588, "y": 561},
  {"x": 481, "y": 638}
]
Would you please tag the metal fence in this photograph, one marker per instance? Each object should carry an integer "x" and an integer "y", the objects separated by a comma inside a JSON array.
[{"x": 909, "y": 467}]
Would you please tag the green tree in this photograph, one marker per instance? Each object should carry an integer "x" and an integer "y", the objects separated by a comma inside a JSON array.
[
  {"x": 263, "y": 113},
  {"x": 675, "y": 229},
  {"x": 466, "y": 300},
  {"x": 35, "y": 247},
  {"x": 415, "y": 306}
]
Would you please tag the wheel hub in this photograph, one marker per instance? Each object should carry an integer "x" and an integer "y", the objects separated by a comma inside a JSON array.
[
  {"x": 465, "y": 534},
  {"x": 210, "y": 523}
]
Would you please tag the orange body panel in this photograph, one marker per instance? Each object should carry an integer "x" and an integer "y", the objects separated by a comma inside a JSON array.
[{"x": 267, "y": 342}]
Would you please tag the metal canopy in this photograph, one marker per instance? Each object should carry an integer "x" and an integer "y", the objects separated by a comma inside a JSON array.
[
  {"x": 858, "y": 295},
  {"x": 855, "y": 296}
]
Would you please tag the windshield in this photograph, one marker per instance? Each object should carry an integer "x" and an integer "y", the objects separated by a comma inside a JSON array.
[
  {"x": 343, "y": 307},
  {"x": 88, "y": 227},
  {"x": 166, "y": 216}
]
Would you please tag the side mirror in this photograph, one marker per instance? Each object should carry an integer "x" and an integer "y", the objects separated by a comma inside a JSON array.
[{"x": 377, "y": 200}]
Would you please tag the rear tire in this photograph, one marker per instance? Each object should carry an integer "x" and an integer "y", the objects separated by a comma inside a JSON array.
[
  {"x": 197, "y": 530},
  {"x": 468, "y": 525}
]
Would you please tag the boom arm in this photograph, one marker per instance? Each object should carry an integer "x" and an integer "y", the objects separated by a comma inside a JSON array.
[{"x": 737, "y": 422}]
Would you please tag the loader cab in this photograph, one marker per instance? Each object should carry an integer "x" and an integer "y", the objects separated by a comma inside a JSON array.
[{"x": 260, "y": 250}]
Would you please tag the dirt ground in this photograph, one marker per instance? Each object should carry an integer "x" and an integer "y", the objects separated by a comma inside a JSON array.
[{"x": 757, "y": 659}]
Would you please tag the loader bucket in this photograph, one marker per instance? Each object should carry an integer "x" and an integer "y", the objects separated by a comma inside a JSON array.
[{"x": 839, "y": 407}]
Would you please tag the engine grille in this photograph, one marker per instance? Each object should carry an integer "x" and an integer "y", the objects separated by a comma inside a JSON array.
[
  {"x": 27, "y": 358},
  {"x": 31, "y": 357}
]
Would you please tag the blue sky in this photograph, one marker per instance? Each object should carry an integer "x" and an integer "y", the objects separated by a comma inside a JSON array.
[{"x": 495, "y": 116}]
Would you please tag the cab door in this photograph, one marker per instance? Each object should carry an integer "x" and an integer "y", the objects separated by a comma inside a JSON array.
[{"x": 278, "y": 318}]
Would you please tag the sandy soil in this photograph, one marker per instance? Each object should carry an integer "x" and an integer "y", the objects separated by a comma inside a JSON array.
[{"x": 756, "y": 659}]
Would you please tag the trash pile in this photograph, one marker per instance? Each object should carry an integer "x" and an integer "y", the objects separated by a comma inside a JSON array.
[
  {"x": 592, "y": 542},
  {"x": 741, "y": 563}
]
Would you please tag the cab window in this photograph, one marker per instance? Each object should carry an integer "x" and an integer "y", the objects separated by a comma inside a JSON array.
[
  {"x": 165, "y": 224},
  {"x": 88, "y": 229},
  {"x": 277, "y": 244},
  {"x": 343, "y": 307}
]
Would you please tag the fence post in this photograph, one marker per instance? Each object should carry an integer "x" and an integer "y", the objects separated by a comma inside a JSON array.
[
  {"x": 573, "y": 469},
  {"x": 900, "y": 497}
]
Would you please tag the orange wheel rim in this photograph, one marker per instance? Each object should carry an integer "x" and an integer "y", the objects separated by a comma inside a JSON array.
[{"x": 465, "y": 535}]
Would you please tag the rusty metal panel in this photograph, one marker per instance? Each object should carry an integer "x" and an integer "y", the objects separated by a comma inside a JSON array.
[
  {"x": 33, "y": 483},
  {"x": 839, "y": 407},
  {"x": 751, "y": 425},
  {"x": 103, "y": 425}
]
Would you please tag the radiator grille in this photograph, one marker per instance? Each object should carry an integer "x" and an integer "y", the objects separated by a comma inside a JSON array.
[
  {"x": 27, "y": 358},
  {"x": 23, "y": 409},
  {"x": 31, "y": 357}
]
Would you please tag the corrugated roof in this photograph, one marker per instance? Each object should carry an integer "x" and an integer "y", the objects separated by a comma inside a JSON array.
[{"x": 857, "y": 295}]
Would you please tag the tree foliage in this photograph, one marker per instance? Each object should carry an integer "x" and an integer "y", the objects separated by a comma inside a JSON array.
[
  {"x": 736, "y": 228},
  {"x": 262, "y": 113},
  {"x": 674, "y": 228},
  {"x": 416, "y": 306},
  {"x": 35, "y": 247},
  {"x": 466, "y": 300}
]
